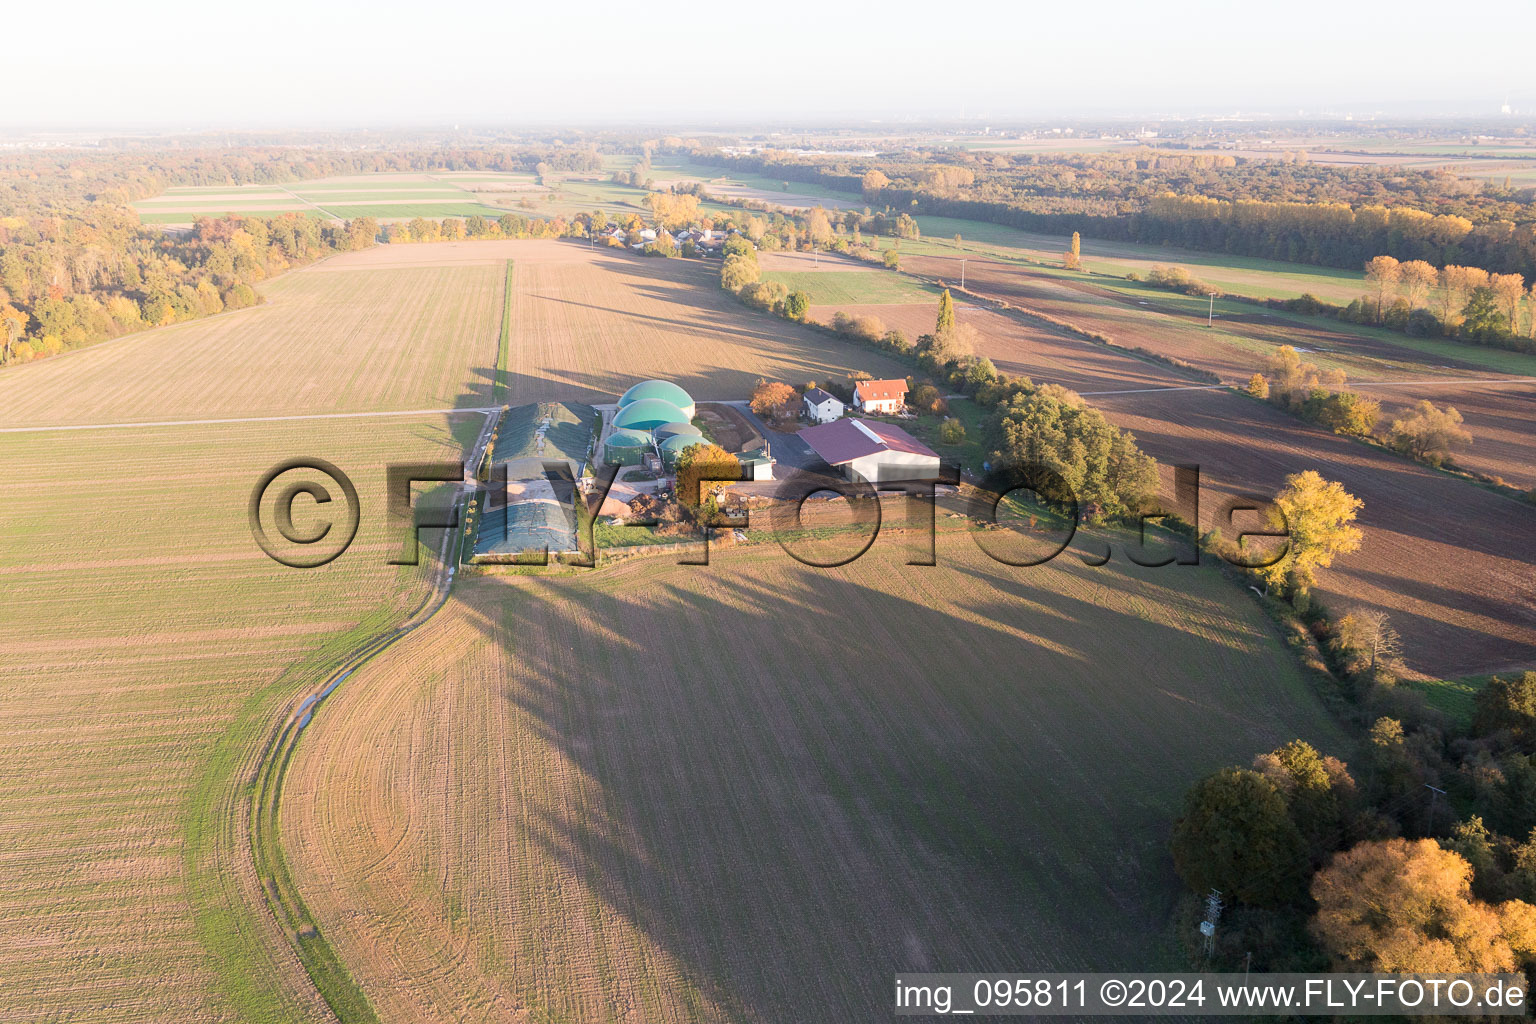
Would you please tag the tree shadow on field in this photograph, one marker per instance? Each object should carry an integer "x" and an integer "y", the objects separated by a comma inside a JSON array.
[{"x": 799, "y": 783}]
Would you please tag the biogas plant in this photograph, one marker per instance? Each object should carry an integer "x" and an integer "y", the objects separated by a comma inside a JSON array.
[{"x": 655, "y": 417}]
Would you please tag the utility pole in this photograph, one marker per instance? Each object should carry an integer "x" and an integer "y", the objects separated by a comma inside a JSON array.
[
  {"x": 962, "y": 275},
  {"x": 1210, "y": 317},
  {"x": 1208, "y": 926},
  {"x": 1434, "y": 794}
]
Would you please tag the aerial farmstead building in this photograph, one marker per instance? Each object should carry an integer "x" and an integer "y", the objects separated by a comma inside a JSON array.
[
  {"x": 886, "y": 396},
  {"x": 665, "y": 391},
  {"x": 873, "y": 452},
  {"x": 822, "y": 406},
  {"x": 649, "y": 414}
]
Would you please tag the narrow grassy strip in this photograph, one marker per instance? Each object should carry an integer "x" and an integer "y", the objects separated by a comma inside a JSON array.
[
  {"x": 325, "y": 968},
  {"x": 504, "y": 347},
  {"x": 244, "y": 963}
]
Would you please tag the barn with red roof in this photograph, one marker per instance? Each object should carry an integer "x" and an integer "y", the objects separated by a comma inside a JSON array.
[{"x": 872, "y": 451}]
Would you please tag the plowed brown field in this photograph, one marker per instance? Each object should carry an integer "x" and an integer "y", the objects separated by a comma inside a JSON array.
[
  {"x": 1452, "y": 563},
  {"x": 1499, "y": 417},
  {"x": 752, "y": 791}
]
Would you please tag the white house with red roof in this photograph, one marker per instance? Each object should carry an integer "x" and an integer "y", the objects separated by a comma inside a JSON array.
[
  {"x": 884, "y": 396},
  {"x": 872, "y": 451}
]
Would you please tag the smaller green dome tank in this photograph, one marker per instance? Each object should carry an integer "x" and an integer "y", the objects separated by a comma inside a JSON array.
[
  {"x": 626, "y": 447},
  {"x": 667, "y": 430},
  {"x": 675, "y": 445}
]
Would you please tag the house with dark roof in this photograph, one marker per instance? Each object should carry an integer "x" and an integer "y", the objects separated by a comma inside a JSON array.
[
  {"x": 872, "y": 451},
  {"x": 822, "y": 406},
  {"x": 882, "y": 396}
]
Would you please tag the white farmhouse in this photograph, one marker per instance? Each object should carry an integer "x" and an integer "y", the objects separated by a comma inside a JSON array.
[
  {"x": 822, "y": 406},
  {"x": 880, "y": 396}
]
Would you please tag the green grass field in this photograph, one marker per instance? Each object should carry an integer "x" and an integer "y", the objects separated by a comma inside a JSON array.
[
  {"x": 853, "y": 287},
  {"x": 383, "y": 196},
  {"x": 1238, "y": 274},
  {"x": 150, "y": 645}
]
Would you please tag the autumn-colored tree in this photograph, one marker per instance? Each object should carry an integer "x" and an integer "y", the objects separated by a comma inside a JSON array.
[
  {"x": 671, "y": 212},
  {"x": 1293, "y": 380},
  {"x": 1074, "y": 253},
  {"x": 818, "y": 228},
  {"x": 873, "y": 181},
  {"x": 1237, "y": 836},
  {"x": 1508, "y": 291},
  {"x": 892, "y": 259},
  {"x": 955, "y": 345},
  {"x": 951, "y": 431},
  {"x": 1456, "y": 287},
  {"x": 925, "y": 397},
  {"x": 1258, "y": 387},
  {"x": 14, "y": 323},
  {"x": 946, "y": 318},
  {"x": 1366, "y": 638},
  {"x": 703, "y": 473},
  {"x": 738, "y": 271},
  {"x": 771, "y": 398},
  {"x": 1317, "y": 514},
  {"x": 1429, "y": 433},
  {"x": 1416, "y": 278},
  {"x": 1382, "y": 273},
  {"x": 1407, "y": 907}
]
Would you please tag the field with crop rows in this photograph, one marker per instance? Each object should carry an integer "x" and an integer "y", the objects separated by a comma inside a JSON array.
[
  {"x": 751, "y": 791},
  {"x": 588, "y": 323},
  {"x": 149, "y": 646},
  {"x": 329, "y": 338},
  {"x": 394, "y": 196}
]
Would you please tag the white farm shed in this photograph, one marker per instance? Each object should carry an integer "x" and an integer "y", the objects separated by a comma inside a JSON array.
[{"x": 872, "y": 451}]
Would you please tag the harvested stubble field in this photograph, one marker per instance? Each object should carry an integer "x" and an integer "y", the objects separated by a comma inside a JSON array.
[
  {"x": 586, "y": 323},
  {"x": 149, "y": 646},
  {"x": 1450, "y": 562},
  {"x": 329, "y": 338},
  {"x": 750, "y": 791}
]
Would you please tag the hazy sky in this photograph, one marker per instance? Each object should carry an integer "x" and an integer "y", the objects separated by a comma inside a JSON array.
[{"x": 279, "y": 64}]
